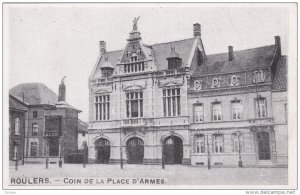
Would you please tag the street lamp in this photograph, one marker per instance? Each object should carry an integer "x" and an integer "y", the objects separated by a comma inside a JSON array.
[
  {"x": 84, "y": 150},
  {"x": 163, "y": 155},
  {"x": 61, "y": 138},
  {"x": 239, "y": 133},
  {"x": 208, "y": 154},
  {"x": 121, "y": 150}
]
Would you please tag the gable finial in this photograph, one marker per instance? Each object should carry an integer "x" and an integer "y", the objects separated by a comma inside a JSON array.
[
  {"x": 135, "y": 20},
  {"x": 62, "y": 90},
  {"x": 63, "y": 79}
]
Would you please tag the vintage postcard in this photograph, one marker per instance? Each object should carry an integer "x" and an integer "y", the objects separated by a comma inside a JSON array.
[{"x": 150, "y": 96}]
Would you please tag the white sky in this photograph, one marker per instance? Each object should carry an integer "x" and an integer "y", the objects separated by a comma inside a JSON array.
[{"x": 47, "y": 42}]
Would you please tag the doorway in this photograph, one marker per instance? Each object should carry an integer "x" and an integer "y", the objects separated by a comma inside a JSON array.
[
  {"x": 173, "y": 150},
  {"x": 135, "y": 150},
  {"x": 102, "y": 147},
  {"x": 264, "y": 151}
]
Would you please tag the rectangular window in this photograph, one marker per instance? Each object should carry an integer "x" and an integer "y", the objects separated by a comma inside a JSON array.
[
  {"x": 15, "y": 152},
  {"x": 134, "y": 104},
  {"x": 217, "y": 111},
  {"x": 198, "y": 113},
  {"x": 261, "y": 107},
  {"x": 259, "y": 76},
  {"x": 102, "y": 106},
  {"x": 17, "y": 125},
  {"x": 33, "y": 149},
  {"x": 171, "y": 102},
  {"x": 286, "y": 112},
  {"x": 134, "y": 66},
  {"x": 218, "y": 143},
  {"x": 200, "y": 144},
  {"x": 35, "y": 129},
  {"x": 34, "y": 114},
  {"x": 237, "y": 109}
]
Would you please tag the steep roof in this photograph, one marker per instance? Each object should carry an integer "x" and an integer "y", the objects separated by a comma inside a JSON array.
[
  {"x": 280, "y": 74},
  {"x": 159, "y": 53},
  {"x": 243, "y": 60},
  {"x": 162, "y": 51},
  {"x": 113, "y": 57},
  {"x": 34, "y": 93},
  {"x": 16, "y": 104},
  {"x": 213, "y": 64}
]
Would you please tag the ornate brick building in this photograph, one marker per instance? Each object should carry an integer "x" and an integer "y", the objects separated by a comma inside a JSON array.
[
  {"x": 52, "y": 124},
  {"x": 173, "y": 101}
]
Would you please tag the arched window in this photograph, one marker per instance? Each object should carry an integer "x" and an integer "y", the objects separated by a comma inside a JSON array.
[{"x": 17, "y": 125}]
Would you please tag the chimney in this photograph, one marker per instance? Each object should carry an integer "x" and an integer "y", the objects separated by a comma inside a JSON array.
[
  {"x": 278, "y": 44},
  {"x": 197, "y": 30},
  {"x": 230, "y": 53},
  {"x": 102, "y": 47},
  {"x": 62, "y": 91}
]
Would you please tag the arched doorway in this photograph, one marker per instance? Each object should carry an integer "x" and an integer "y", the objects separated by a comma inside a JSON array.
[
  {"x": 263, "y": 142},
  {"x": 135, "y": 150},
  {"x": 102, "y": 147},
  {"x": 173, "y": 150}
]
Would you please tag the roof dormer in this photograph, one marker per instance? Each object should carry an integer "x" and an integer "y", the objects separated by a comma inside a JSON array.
[
  {"x": 106, "y": 68},
  {"x": 174, "y": 60}
]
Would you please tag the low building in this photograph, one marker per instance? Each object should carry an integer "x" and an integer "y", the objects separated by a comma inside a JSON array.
[
  {"x": 52, "y": 123},
  {"x": 82, "y": 133}
]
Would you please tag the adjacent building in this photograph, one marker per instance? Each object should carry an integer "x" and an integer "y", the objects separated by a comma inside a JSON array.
[
  {"x": 52, "y": 126},
  {"x": 82, "y": 133},
  {"x": 17, "y": 127},
  {"x": 173, "y": 102}
]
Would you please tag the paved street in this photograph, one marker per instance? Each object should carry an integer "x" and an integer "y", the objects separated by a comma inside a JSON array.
[{"x": 175, "y": 174}]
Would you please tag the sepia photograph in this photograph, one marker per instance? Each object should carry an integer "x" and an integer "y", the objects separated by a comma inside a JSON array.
[{"x": 150, "y": 96}]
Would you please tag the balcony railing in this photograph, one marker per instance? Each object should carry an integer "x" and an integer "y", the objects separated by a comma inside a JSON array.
[
  {"x": 104, "y": 80},
  {"x": 134, "y": 122},
  {"x": 137, "y": 122},
  {"x": 172, "y": 72},
  {"x": 261, "y": 121},
  {"x": 51, "y": 133}
]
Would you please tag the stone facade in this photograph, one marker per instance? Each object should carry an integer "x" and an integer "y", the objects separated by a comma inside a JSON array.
[{"x": 154, "y": 102}]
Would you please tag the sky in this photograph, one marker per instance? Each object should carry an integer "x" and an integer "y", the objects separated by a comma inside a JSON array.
[{"x": 48, "y": 41}]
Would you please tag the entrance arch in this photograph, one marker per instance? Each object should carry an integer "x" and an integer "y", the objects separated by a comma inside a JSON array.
[
  {"x": 135, "y": 150},
  {"x": 173, "y": 150},
  {"x": 263, "y": 141},
  {"x": 102, "y": 147}
]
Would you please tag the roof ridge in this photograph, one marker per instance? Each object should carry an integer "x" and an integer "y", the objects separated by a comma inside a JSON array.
[
  {"x": 172, "y": 41},
  {"x": 114, "y": 51},
  {"x": 150, "y": 45},
  {"x": 241, "y": 50},
  {"x": 17, "y": 98}
]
